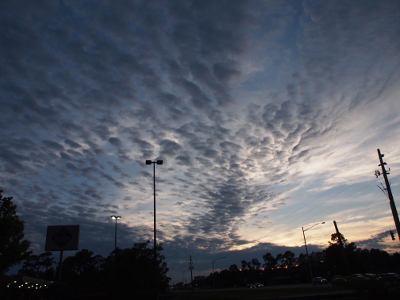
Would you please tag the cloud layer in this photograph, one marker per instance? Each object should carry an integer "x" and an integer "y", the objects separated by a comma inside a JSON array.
[{"x": 255, "y": 107}]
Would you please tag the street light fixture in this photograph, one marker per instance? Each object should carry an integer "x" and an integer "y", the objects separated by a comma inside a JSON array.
[
  {"x": 305, "y": 243},
  {"x": 116, "y": 218},
  {"x": 213, "y": 261},
  {"x": 154, "y": 162}
]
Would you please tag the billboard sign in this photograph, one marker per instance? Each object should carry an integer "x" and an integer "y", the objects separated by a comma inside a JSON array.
[{"x": 62, "y": 237}]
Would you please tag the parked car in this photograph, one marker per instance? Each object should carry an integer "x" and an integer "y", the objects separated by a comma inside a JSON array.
[
  {"x": 391, "y": 276},
  {"x": 319, "y": 280},
  {"x": 258, "y": 285},
  {"x": 371, "y": 276},
  {"x": 251, "y": 286},
  {"x": 338, "y": 281},
  {"x": 356, "y": 277}
]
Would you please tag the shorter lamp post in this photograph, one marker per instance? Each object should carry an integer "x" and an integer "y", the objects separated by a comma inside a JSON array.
[
  {"x": 305, "y": 243},
  {"x": 213, "y": 261},
  {"x": 116, "y": 218}
]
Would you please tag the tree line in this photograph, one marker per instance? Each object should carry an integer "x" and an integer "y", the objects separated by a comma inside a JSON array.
[
  {"x": 125, "y": 272},
  {"x": 136, "y": 271},
  {"x": 288, "y": 268}
]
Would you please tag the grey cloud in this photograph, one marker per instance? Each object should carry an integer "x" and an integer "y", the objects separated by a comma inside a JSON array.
[
  {"x": 72, "y": 144},
  {"x": 72, "y": 167},
  {"x": 53, "y": 145},
  {"x": 93, "y": 193},
  {"x": 291, "y": 91},
  {"x": 80, "y": 78},
  {"x": 12, "y": 181},
  {"x": 198, "y": 98},
  {"x": 230, "y": 146},
  {"x": 115, "y": 141},
  {"x": 169, "y": 147},
  {"x": 333, "y": 34},
  {"x": 146, "y": 174},
  {"x": 21, "y": 143},
  {"x": 176, "y": 115},
  {"x": 72, "y": 128},
  {"x": 108, "y": 177},
  {"x": 225, "y": 203},
  {"x": 217, "y": 37},
  {"x": 65, "y": 156},
  {"x": 171, "y": 99},
  {"x": 184, "y": 159},
  {"x": 210, "y": 153},
  {"x": 145, "y": 111},
  {"x": 119, "y": 184},
  {"x": 376, "y": 240},
  {"x": 13, "y": 161},
  {"x": 225, "y": 71},
  {"x": 102, "y": 131},
  {"x": 145, "y": 147}
]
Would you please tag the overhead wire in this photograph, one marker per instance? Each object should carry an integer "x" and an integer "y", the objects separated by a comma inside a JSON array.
[
  {"x": 317, "y": 206},
  {"x": 336, "y": 203},
  {"x": 330, "y": 199},
  {"x": 285, "y": 217},
  {"x": 363, "y": 187}
]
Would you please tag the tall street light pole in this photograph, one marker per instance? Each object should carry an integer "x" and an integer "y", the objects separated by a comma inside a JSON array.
[
  {"x": 213, "y": 261},
  {"x": 116, "y": 218},
  {"x": 305, "y": 243},
  {"x": 154, "y": 162}
]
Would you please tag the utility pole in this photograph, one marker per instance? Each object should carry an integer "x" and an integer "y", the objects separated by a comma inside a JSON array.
[
  {"x": 338, "y": 234},
  {"x": 341, "y": 247},
  {"x": 389, "y": 192}
]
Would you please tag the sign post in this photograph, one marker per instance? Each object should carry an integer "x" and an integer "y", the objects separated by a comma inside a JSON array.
[{"x": 60, "y": 238}]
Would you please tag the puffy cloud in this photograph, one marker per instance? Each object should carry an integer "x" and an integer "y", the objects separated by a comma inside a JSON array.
[{"x": 254, "y": 107}]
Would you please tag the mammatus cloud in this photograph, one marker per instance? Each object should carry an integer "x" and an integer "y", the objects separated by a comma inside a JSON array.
[{"x": 257, "y": 109}]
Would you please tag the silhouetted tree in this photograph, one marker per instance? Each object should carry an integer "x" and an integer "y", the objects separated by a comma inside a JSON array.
[
  {"x": 289, "y": 259},
  {"x": 13, "y": 248},
  {"x": 233, "y": 268},
  {"x": 134, "y": 269},
  {"x": 335, "y": 239},
  {"x": 39, "y": 266},
  {"x": 280, "y": 260},
  {"x": 336, "y": 256},
  {"x": 255, "y": 264},
  {"x": 244, "y": 265},
  {"x": 317, "y": 261},
  {"x": 380, "y": 260},
  {"x": 83, "y": 271},
  {"x": 269, "y": 261}
]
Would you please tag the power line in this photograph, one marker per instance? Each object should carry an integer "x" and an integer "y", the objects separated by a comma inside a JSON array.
[
  {"x": 286, "y": 224},
  {"x": 341, "y": 200},
  {"x": 317, "y": 206}
]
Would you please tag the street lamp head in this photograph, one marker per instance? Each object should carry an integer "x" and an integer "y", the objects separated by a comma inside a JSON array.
[
  {"x": 115, "y": 217},
  {"x": 309, "y": 227},
  {"x": 157, "y": 161}
]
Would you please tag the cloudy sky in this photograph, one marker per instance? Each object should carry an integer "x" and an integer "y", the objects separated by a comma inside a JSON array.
[{"x": 267, "y": 115}]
